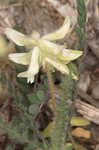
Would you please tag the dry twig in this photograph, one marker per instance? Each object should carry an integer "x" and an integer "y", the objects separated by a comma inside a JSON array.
[
  {"x": 88, "y": 98},
  {"x": 88, "y": 111}
]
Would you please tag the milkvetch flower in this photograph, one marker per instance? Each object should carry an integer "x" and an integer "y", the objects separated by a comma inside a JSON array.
[
  {"x": 42, "y": 51},
  {"x": 33, "y": 66}
]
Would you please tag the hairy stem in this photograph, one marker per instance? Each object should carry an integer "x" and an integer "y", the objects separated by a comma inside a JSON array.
[{"x": 51, "y": 87}]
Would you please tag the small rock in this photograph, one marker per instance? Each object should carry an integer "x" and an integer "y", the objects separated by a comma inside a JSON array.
[
  {"x": 95, "y": 91},
  {"x": 94, "y": 46},
  {"x": 90, "y": 60},
  {"x": 97, "y": 147},
  {"x": 84, "y": 81},
  {"x": 43, "y": 4},
  {"x": 96, "y": 26}
]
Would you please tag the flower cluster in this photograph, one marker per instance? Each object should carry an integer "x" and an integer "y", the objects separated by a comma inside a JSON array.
[{"x": 43, "y": 52}]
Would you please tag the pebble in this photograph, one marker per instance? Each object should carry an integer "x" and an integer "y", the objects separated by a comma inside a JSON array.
[
  {"x": 97, "y": 147},
  {"x": 84, "y": 81},
  {"x": 94, "y": 46},
  {"x": 90, "y": 60},
  {"x": 95, "y": 91}
]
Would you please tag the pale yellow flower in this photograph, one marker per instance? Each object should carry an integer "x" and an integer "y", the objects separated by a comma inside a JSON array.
[
  {"x": 43, "y": 52},
  {"x": 33, "y": 66}
]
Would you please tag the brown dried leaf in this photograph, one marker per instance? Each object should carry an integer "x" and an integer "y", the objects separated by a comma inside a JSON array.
[{"x": 80, "y": 132}]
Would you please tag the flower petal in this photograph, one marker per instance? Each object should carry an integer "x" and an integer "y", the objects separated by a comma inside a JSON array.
[
  {"x": 30, "y": 77},
  {"x": 59, "y": 34},
  {"x": 58, "y": 65},
  {"x": 20, "y": 58},
  {"x": 34, "y": 65},
  {"x": 19, "y": 38},
  {"x": 49, "y": 47},
  {"x": 35, "y": 35},
  {"x": 69, "y": 55},
  {"x": 74, "y": 76},
  {"x": 23, "y": 74}
]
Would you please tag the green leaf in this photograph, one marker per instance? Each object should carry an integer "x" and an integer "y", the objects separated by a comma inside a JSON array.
[
  {"x": 10, "y": 147},
  {"x": 40, "y": 95},
  {"x": 11, "y": 89},
  {"x": 68, "y": 146},
  {"x": 79, "y": 32},
  {"x": 32, "y": 98},
  {"x": 73, "y": 68},
  {"x": 22, "y": 85},
  {"x": 46, "y": 132},
  {"x": 19, "y": 68},
  {"x": 1, "y": 120},
  {"x": 20, "y": 98},
  {"x": 3, "y": 78},
  {"x": 33, "y": 109},
  {"x": 79, "y": 121},
  {"x": 20, "y": 49}
]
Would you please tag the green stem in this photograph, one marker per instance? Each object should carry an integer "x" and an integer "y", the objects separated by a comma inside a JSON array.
[
  {"x": 81, "y": 20},
  {"x": 64, "y": 113}
]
